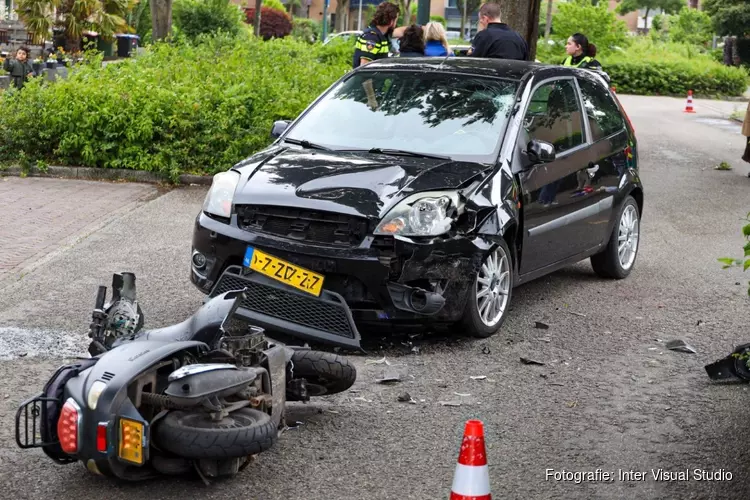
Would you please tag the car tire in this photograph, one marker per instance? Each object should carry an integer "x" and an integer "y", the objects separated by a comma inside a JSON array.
[
  {"x": 491, "y": 277},
  {"x": 609, "y": 263}
]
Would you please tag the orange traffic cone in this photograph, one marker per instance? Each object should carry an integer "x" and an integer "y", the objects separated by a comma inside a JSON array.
[
  {"x": 471, "y": 480},
  {"x": 689, "y": 105}
]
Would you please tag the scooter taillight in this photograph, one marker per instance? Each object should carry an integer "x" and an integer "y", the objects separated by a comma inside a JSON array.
[
  {"x": 101, "y": 437},
  {"x": 67, "y": 426}
]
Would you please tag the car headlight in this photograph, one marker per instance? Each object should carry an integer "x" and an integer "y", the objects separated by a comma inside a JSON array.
[
  {"x": 219, "y": 198},
  {"x": 425, "y": 214},
  {"x": 97, "y": 388}
]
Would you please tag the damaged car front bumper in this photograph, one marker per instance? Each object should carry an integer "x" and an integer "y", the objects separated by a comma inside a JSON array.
[{"x": 382, "y": 281}]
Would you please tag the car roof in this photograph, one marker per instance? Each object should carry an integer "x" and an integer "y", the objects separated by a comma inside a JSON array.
[{"x": 499, "y": 68}]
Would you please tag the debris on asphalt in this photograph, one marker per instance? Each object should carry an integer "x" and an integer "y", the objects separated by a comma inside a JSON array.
[
  {"x": 390, "y": 377},
  {"x": 558, "y": 384},
  {"x": 415, "y": 349},
  {"x": 478, "y": 377},
  {"x": 639, "y": 317},
  {"x": 449, "y": 403},
  {"x": 363, "y": 399},
  {"x": 378, "y": 361},
  {"x": 577, "y": 314},
  {"x": 528, "y": 361},
  {"x": 545, "y": 339},
  {"x": 461, "y": 395},
  {"x": 541, "y": 326},
  {"x": 700, "y": 321},
  {"x": 405, "y": 397},
  {"x": 543, "y": 375},
  {"x": 572, "y": 404},
  {"x": 680, "y": 346},
  {"x": 652, "y": 348},
  {"x": 485, "y": 349},
  {"x": 334, "y": 412}
]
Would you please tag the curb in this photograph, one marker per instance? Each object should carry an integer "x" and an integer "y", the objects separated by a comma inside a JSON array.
[{"x": 106, "y": 174}]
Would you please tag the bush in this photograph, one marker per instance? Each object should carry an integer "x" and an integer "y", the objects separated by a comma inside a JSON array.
[
  {"x": 308, "y": 30},
  {"x": 672, "y": 69},
  {"x": 691, "y": 26},
  {"x": 273, "y": 23},
  {"x": 198, "y": 17},
  {"x": 439, "y": 19},
  {"x": 183, "y": 108},
  {"x": 598, "y": 23},
  {"x": 272, "y": 4}
]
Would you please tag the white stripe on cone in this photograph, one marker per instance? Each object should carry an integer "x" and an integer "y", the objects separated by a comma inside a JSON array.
[{"x": 471, "y": 481}]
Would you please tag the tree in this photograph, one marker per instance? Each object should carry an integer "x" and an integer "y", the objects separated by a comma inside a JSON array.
[
  {"x": 691, "y": 26},
  {"x": 523, "y": 16},
  {"x": 730, "y": 17},
  {"x": 666, "y": 6},
  {"x": 161, "y": 19},
  {"x": 106, "y": 17}
]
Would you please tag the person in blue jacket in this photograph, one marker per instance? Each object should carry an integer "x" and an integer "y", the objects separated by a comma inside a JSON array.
[{"x": 436, "y": 41}]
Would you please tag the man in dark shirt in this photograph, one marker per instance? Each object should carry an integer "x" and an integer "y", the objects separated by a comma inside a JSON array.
[
  {"x": 495, "y": 38},
  {"x": 375, "y": 41}
]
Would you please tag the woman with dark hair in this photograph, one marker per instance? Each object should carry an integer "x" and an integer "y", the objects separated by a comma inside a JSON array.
[
  {"x": 581, "y": 53},
  {"x": 412, "y": 43}
]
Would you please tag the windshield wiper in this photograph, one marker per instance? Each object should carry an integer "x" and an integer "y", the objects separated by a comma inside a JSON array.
[
  {"x": 401, "y": 152},
  {"x": 307, "y": 144}
]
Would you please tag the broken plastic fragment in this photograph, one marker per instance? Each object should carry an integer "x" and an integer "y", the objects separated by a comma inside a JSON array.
[
  {"x": 541, "y": 326},
  {"x": 450, "y": 403},
  {"x": 378, "y": 361},
  {"x": 462, "y": 395},
  {"x": 528, "y": 361},
  {"x": 363, "y": 399},
  {"x": 478, "y": 377},
  {"x": 389, "y": 378},
  {"x": 681, "y": 346}
]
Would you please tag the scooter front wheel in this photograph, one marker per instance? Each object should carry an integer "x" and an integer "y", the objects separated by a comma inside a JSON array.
[
  {"x": 195, "y": 435},
  {"x": 324, "y": 372}
]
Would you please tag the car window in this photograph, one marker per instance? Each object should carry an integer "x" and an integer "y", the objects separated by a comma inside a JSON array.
[
  {"x": 554, "y": 116},
  {"x": 434, "y": 113},
  {"x": 604, "y": 116}
]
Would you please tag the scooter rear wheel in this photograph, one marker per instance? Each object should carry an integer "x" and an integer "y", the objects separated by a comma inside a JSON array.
[{"x": 194, "y": 435}]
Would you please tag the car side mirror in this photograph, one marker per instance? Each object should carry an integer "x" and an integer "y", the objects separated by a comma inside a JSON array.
[
  {"x": 540, "y": 152},
  {"x": 278, "y": 128}
]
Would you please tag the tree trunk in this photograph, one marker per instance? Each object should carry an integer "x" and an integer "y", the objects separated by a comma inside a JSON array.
[
  {"x": 463, "y": 18},
  {"x": 548, "y": 23},
  {"x": 341, "y": 7},
  {"x": 256, "y": 21},
  {"x": 693, "y": 4},
  {"x": 645, "y": 20},
  {"x": 523, "y": 17},
  {"x": 161, "y": 18}
]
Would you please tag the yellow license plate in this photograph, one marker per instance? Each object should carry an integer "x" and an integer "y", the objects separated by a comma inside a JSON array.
[
  {"x": 131, "y": 441},
  {"x": 280, "y": 270}
]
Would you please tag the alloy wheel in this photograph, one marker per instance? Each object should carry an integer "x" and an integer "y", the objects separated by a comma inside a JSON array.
[
  {"x": 627, "y": 237},
  {"x": 493, "y": 287}
]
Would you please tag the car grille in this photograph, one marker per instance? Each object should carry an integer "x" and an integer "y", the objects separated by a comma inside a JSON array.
[
  {"x": 303, "y": 225},
  {"x": 317, "y": 313}
]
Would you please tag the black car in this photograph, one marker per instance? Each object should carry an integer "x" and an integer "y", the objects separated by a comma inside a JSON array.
[{"x": 419, "y": 193}]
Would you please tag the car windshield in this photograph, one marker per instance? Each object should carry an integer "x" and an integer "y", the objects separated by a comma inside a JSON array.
[{"x": 458, "y": 116}]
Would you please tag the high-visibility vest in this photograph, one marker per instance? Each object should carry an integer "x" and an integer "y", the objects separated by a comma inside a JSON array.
[{"x": 569, "y": 61}]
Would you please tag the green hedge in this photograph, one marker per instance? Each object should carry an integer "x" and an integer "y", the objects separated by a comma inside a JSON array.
[
  {"x": 675, "y": 78},
  {"x": 175, "y": 109},
  {"x": 647, "y": 67}
]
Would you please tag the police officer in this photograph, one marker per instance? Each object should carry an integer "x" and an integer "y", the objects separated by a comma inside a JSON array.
[
  {"x": 581, "y": 53},
  {"x": 375, "y": 41},
  {"x": 495, "y": 38}
]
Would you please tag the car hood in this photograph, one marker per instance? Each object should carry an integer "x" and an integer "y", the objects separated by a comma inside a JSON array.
[{"x": 354, "y": 183}]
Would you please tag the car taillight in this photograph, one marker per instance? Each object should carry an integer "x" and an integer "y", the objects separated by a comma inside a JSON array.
[
  {"x": 67, "y": 426},
  {"x": 101, "y": 437}
]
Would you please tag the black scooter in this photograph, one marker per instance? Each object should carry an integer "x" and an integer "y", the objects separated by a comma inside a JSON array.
[{"x": 206, "y": 394}]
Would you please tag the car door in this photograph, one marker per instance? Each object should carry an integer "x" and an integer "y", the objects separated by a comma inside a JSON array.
[
  {"x": 610, "y": 146},
  {"x": 557, "y": 206}
]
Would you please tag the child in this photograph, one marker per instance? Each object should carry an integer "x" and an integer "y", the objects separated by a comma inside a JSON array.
[{"x": 20, "y": 68}]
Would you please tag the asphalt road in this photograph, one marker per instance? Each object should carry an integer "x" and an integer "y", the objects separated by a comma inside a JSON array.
[{"x": 609, "y": 396}]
